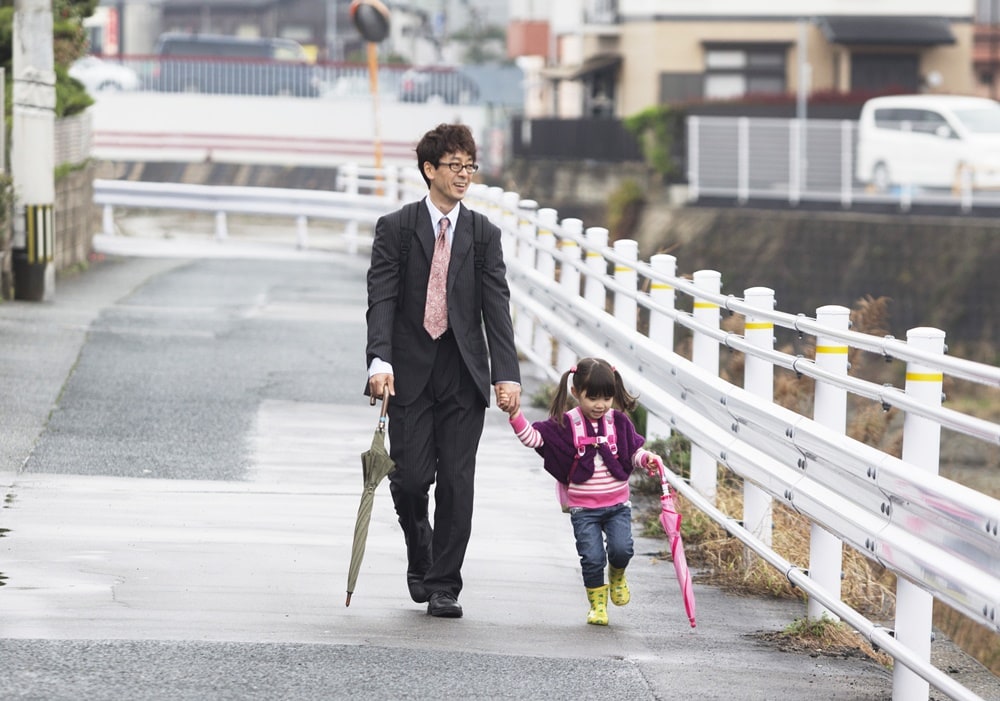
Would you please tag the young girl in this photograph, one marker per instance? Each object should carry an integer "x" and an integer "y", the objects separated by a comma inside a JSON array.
[{"x": 594, "y": 472}]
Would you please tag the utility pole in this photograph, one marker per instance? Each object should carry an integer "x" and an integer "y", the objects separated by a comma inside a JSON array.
[{"x": 33, "y": 151}]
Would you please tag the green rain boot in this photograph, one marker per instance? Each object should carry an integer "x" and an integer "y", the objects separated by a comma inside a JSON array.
[
  {"x": 598, "y": 597},
  {"x": 619, "y": 587}
]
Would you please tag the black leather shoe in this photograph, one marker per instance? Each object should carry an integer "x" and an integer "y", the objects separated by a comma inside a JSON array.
[
  {"x": 444, "y": 605},
  {"x": 415, "y": 583}
]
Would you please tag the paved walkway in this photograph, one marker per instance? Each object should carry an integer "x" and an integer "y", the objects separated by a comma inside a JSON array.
[{"x": 144, "y": 588}]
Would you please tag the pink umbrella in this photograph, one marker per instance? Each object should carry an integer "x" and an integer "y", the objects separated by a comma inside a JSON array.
[{"x": 671, "y": 521}]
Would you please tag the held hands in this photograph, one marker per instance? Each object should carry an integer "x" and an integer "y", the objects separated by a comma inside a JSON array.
[{"x": 509, "y": 398}]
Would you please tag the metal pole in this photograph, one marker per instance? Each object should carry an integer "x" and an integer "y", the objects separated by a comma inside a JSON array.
[
  {"x": 802, "y": 99},
  {"x": 593, "y": 286},
  {"x": 373, "y": 86},
  {"x": 830, "y": 410},
  {"x": 33, "y": 151},
  {"x": 705, "y": 355},
  {"x": 569, "y": 280},
  {"x": 661, "y": 326},
  {"x": 921, "y": 448},
  {"x": 625, "y": 306},
  {"x": 547, "y": 220},
  {"x": 524, "y": 323},
  {"x": 758, "y": 380}
]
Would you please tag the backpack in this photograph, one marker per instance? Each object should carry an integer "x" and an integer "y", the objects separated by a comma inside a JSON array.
[
  {"x": 581, "y": 440},
  {"x": 408, "y": 230}
]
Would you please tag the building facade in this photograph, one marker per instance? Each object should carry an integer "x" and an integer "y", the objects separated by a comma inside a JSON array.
[{"x": 613, "y": 58}]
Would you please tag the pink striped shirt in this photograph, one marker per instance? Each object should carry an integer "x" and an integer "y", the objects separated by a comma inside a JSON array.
[{"x": 601, "y": 490}]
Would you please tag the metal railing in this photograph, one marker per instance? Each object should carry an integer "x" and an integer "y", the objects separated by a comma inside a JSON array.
[
  {"x": 793, "y": 162},
  {"x": 288, "y": 78},
  {"x": 940, "y": 538},
  {"x": 366, "y": 193}
]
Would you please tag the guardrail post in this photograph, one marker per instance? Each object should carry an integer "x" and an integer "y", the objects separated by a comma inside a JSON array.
[
  {"x": 301, "y": 232},
  {"x": 221, "y": 230},
  {"x": 524, "y": 323},
  {"x": 548, "y": 219},
  {"x": 493, "y": 196},
  {"x": 594, "y": 290},
  {"x": 392, "y": 186},
  {"x": 350, "y": 182},
  {"x": 921, "y": 448},
  {"x": 108, "y": 220},
  {"x": 705, "y": 355},
  {"x": 351, "y": 236},
  {"x": 509, "y": 221},
  {"x": 625, "y": 305},
  {"x": 661, "y": 326},
  {"x": 569, "y": 278},
  {"x": 829, "y": 410},
  {"x": 758, "y": 380}
]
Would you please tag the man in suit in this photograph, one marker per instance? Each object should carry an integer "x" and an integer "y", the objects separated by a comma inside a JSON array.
[{"x": 438, "y": 343}]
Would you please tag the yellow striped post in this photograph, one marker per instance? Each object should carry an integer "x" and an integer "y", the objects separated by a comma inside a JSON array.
[
  {"x": 829, "y": 410},
  {"x": 922, "y": 449}
]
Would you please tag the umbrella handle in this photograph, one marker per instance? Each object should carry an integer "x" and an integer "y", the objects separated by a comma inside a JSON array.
[{"x": 385, "y": 406}]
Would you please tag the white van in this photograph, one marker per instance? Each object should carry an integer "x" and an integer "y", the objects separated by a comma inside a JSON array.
[{"x": 945, "y": 141}]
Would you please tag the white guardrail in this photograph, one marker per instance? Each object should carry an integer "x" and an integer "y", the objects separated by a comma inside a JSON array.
[{"x": 940, "y": 538}]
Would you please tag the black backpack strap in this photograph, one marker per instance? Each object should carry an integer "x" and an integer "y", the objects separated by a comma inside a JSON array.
[
  {"x": 479, "y": 252},
  {"x": 407, "y": 230}
]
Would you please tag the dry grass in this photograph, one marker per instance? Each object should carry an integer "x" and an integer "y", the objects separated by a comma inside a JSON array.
[
  {"x": 866, "y": 586},
  {"x": 722, "y": 560}
]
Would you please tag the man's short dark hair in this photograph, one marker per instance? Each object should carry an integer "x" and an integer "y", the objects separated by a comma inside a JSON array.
[{"x": 441, "y": 140}]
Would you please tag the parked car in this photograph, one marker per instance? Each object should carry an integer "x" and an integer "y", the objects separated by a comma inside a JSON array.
[
  {"x": 227, "y": 65},
  {"x": 940, "y": 141},
  {"x": 99, "y": 75},
  {"x": 435, "y": 84}
]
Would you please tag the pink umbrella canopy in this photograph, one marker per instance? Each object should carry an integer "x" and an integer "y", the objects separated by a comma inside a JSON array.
[{"x": 670, "y": 519}]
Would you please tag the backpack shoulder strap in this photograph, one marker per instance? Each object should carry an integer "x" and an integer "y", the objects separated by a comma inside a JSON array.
[
  {"x": 407, "y": 230},
  {"x": 609, "y": 431},
  {"x": 580, "y": 438}
]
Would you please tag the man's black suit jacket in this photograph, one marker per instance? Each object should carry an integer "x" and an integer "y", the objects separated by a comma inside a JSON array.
[{"x": 485, "y": 336}]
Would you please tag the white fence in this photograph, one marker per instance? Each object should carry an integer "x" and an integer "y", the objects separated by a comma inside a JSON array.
[
  {"x": 942, "y": 539},
  {"x": 797, "y": 161}
]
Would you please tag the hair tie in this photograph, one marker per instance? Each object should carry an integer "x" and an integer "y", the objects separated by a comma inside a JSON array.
[{"x": 573, "y": 369}]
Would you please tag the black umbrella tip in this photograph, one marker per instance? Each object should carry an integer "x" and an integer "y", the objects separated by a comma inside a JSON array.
[{"x": 348, "y": 602}]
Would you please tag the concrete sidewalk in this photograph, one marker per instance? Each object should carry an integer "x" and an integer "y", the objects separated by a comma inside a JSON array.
[{"x": 214, "y": 589}]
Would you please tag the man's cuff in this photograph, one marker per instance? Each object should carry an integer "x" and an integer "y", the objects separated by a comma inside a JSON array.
[{"x": 379, "y": 366}]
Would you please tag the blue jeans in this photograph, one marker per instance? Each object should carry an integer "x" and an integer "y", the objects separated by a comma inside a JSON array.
[{"x": 590, "y": 527}]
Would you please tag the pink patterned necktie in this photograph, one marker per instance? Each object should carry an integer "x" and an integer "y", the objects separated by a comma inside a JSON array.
[{"x": 436, "y": 309}]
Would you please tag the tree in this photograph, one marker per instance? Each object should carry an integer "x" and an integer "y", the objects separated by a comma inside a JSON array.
[{"x": 69, "y": 42}]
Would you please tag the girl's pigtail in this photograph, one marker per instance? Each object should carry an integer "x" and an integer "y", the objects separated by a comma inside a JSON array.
[
  {"x": 557, "y": 409},
  {"x": 625, "y": 401}
]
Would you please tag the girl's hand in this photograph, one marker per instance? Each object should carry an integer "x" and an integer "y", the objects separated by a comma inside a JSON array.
[
  {"x": 503, "y": 399},
  {"x": 653, "y": 464},
  {"x": 509, "y": 397}
]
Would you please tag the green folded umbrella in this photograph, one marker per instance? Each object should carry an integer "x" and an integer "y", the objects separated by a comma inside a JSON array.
[{"x": 375, "y": 465}]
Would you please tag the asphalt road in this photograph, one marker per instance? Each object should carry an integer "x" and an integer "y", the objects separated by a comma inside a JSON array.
[{"x": 181, "y": 477}]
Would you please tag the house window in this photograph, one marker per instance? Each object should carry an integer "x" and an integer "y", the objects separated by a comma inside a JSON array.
[{"x": 734, "y": 71}]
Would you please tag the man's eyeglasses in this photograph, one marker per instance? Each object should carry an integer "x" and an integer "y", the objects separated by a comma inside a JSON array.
[{"x": 457, "y": 167}]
